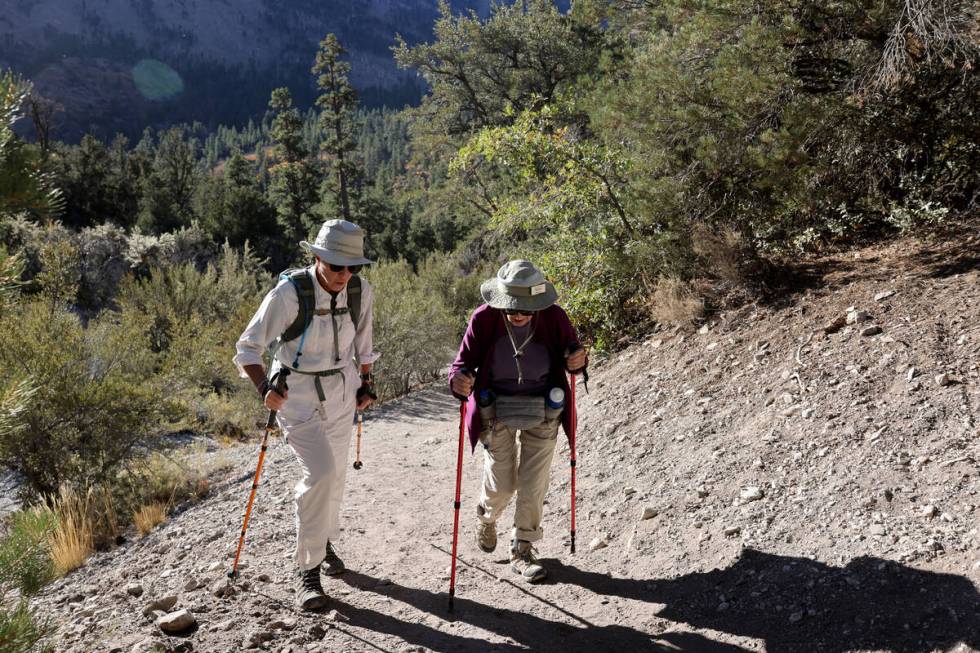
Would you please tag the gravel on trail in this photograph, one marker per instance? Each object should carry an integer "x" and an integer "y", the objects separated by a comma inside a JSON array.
[{"x": 785, "y": 478}]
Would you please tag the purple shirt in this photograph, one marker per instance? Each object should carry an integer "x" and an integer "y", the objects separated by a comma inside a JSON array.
[
  {"x": 553, "y": 331},
  {"x": 534, "y": 364}
]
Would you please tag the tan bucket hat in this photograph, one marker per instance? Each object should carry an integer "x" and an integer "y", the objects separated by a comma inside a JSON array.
[
  {"x": 519, "y": 286},
  {"x": 339, "y": 242}
]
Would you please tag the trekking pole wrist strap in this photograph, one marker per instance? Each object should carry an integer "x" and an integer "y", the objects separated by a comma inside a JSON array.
[{"x": 263, "y": 388}]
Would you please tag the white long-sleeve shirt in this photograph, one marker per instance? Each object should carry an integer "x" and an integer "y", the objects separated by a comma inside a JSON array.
[{"x": 279, "y": 309}]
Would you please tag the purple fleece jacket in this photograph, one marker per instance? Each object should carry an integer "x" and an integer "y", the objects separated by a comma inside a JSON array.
[{"x": 552, "y": 329}]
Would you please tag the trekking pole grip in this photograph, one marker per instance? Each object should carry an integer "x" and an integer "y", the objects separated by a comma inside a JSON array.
[{"x": 278, "y": 386}]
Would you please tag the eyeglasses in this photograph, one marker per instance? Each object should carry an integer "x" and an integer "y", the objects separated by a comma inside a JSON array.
[
  {"x": 511, "y": 311},
  {"x": 354, "y": 269}
]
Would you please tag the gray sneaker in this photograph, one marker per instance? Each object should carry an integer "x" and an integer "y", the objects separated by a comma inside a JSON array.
[
  {"x": 486, "y": 537},
  {"x": 524, "y": 562},
  {"x": 309, "y": 592},
  {"x": 332, "y": 564}
]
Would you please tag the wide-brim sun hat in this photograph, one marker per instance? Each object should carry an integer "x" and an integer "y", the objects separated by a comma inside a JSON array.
[
  {"x": 339, "y": 242},
  {"x": 519, "y": 286}
]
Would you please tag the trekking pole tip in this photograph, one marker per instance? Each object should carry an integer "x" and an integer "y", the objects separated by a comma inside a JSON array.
[{"x": 358, "y": 464}]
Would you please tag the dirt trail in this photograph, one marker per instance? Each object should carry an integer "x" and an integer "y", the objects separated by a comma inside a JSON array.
[{"x": 749, "y": 487}]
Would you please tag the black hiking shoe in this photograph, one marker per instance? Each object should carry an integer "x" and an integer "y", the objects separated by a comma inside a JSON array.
[
  {"x": 309, "y": 592},
  {"x": 333, "y": 565}
]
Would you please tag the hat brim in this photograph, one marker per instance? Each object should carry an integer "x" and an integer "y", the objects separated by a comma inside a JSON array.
[
  {"x": 334, "y": 257},
  {"x": 495, "y": 295}
]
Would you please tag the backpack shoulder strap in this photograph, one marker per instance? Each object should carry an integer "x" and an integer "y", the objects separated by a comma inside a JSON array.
[
  {"x": 354, "y": 299},
  {"x": 306, "y": 295}
]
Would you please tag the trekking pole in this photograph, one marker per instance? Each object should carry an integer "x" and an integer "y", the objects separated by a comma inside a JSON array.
[
  {"x": 459, "y": 480},
  {"x": 571, "y": 387},
  {"x": 357, "y": 461},
  {"x": 573, "y": 380},
  {"x": 280, "y": 385}
]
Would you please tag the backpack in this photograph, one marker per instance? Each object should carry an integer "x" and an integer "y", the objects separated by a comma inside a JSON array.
[{"x": 303, "y": 282}]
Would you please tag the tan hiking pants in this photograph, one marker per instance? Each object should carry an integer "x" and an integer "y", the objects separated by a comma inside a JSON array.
[{"x": 517, "y": 461}]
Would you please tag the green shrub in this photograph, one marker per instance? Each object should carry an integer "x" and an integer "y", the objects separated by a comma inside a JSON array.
[
  {"x": 193, "y": 320},
  {"x": 442, "y": 274},
  {"x": 103, "y": 264},
  {"x": 20, "y": 632},
  {"x": 413, "y": 328},
  {"x": 94, "y": 401},
  {"x": 25, "y": 566},
  {"x": 25, "y": 561}
]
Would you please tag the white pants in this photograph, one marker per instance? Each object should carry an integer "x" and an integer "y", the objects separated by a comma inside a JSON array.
[
  {"x": 319, "y": 434},
  {"x": 508, "y": 469}
]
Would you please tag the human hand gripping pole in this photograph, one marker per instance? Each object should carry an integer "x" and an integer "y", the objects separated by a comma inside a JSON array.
[
  {"x": 363, "y": 395},
  {"x": 459, "y": 478},
  {"x": 279, "y": 387}
]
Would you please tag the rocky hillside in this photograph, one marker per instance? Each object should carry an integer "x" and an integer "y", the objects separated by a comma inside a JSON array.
[
  {"x": 82, "y": 53},
  {"x": 793, "y": 477}
]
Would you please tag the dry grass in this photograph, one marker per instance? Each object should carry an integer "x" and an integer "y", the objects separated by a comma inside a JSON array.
[
  {"x": 672, "y": 302},
  {"x": 149, "y": 517},
  {"x": 72, "y": 541},
  {"x": 724, "y": 251}
]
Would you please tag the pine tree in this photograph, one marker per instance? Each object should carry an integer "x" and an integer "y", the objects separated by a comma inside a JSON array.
[
  {"x": 338, "y": 102},
  {"x": 165, "y": 202},
  {"x": 295, "y": 177}
]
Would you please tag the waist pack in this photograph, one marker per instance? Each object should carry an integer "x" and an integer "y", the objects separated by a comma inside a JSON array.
[{"x": 520, "y": 412}]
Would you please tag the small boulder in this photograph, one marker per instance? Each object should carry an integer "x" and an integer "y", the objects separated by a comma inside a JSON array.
[
  {"x": 835, "y": 325},
  {"x": 598, "y": 543},
  {"x": 164, "y": 604},
  {"x": 134, "y": 589},
  {"x": 751, "y": 493},
  {"x": 649, "y": 512},
  {"x": 176, "y": 622},
  {"x": 856, "y": 317}
]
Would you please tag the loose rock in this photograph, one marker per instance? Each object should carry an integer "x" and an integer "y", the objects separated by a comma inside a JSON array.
[
  {"x": 176, "y": 622},
  {"x": 751, "y": 493},
  {"x": 598, "y": 543},
  {"x": 164, "y": 604}
]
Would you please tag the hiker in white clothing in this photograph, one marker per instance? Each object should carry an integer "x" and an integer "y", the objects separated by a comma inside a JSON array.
[{"x": 317, "y": 322}]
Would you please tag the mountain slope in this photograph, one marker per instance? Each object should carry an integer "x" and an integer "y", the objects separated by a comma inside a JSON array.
[
  {"x": 217, "y": 47},
  {"x": 760, "y": 485}
]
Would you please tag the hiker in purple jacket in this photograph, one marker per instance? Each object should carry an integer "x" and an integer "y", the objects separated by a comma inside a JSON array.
[{"x": 511, "y": 369}]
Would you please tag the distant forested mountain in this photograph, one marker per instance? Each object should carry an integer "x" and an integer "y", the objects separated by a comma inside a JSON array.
[{"x": 120, "y": 65}]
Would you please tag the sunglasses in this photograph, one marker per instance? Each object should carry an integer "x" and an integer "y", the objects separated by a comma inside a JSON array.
[
  {"x": 511, "y": 311},
  {"x": 354, "y": 269}
]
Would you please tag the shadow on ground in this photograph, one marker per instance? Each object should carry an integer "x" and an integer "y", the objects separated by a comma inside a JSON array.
[
  {"x": 797, "y": 604},
  {"x": 792, "y": 604},
  {"x": 522, "y": 631}
]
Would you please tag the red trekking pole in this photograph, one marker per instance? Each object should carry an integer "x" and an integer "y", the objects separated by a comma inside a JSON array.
[
  {"x": 459, "y": 479},
  {"x": 573, "y": 380},
  {"x": 571, "y": 442}
]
